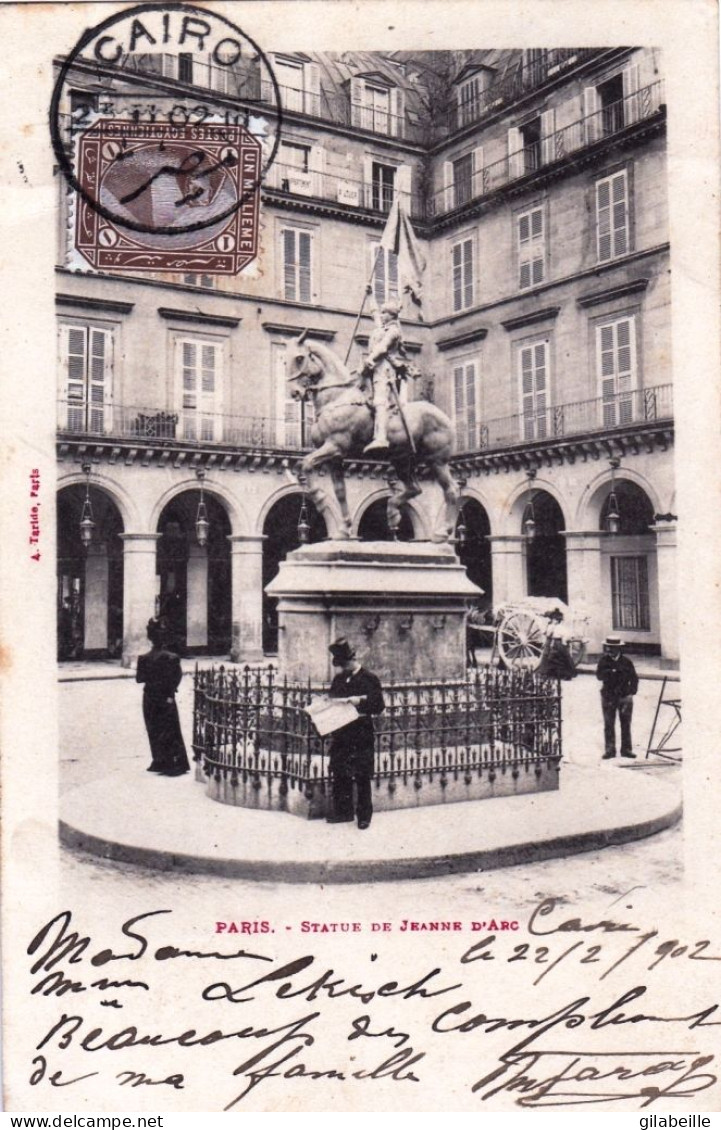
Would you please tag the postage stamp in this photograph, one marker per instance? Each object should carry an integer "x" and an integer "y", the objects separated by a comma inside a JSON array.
[
  {"x": 155, "y": 176},
  {"x": 163, "y": 164}
]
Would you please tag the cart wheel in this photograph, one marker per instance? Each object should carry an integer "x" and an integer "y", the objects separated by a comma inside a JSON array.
[{"x": 521, "y": 640}]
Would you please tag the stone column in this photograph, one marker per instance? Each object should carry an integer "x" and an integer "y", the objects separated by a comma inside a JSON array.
[
  {"x": 247, "y": 597},
  {"x": 197, "y": 596},
  {"x": 585, "y": 588},
  {"x": 508, "y": 562},
  {"x": 139, "y": 588},
  {"x": 96, "y": 598},
  {"x": 667, "y": 591}
]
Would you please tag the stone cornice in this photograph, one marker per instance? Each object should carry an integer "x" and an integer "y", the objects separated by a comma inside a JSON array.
[
  {"x": 530, "y": 318},
  {"x": 466, "y": 337},
  {"x": 285, "y": 330},
  {"x": 197, "y": 318},
  {"x": 99, "y": 305},
  {"x": 613, "y": 292}
]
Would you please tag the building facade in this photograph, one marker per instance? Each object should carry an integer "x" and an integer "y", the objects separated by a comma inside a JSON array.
[{"x": 536, "y": 181}]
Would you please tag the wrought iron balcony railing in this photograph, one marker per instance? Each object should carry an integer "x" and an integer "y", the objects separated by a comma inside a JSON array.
[
  {"x": 337, "y": 189},
  {"x": 257, "y": 433},
  {"x": 561, "y": 421},
  {"x": 585, "y": 131}
]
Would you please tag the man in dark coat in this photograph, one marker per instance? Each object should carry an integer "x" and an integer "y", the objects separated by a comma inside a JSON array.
[
  {"x": 352, "y": 747},
  {"x": 160, "y": 671},
  {"x": 619, "y": 684}
]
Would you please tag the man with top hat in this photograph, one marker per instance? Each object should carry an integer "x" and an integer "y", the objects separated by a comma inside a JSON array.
[
  {"x": 353, "y": 746},
  {"x": 619, "y": 683},
  {"x": 387, "y": 363}
]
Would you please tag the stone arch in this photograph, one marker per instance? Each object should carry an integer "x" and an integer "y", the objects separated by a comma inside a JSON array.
[
  {"x": 329, "y": 509},
  {"x": 236, "y": 514},
  {"x": 279, "y": 538},
  {"x": 126, "y": 504},
  {"x": 90, "y": 573},
  {"x": 417, "y": 517},
  {"x": 515, "y": 504},
  {"x": 474, "y": 552},
  {"x": 590, "y": 505}
]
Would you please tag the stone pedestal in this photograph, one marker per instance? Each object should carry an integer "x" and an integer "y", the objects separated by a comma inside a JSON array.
[{"x": 401, "y": 604}]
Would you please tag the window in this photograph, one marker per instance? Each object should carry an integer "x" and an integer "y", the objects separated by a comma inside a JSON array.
[
  {"x": 531, "y": 248},
  {"x": 297, "y": 264},
  {"x": 206, "y": 281},
  {"x": 534, "y": 389},
  {"x": 185, "y": 66},
  {"x": 531, "y": 140},
  {"x": 294, "y": 417},
  {"x": 198, "y": 377},
  {"x": 295, "y": 156},
  {"x": 616, "y": 346},
  {"x": 470, "y": 99},
  {"x": 612, "y": 217},
  {"x": 385, "y": 272},
  {"x": 465, "y": 405},
  {"x": 290, "y": 80},
  {"x": 463, "y": 179},
  {"x": 629, "y": 594},
  {"x": 462, "y": 274},
  {"x": 382, "y": 185},
  {"x": 610, "y": 98},
  {"x": 376, "y": 106},
  {"x": 294, "y": 172},
  {"x": 86, "y": 364}
]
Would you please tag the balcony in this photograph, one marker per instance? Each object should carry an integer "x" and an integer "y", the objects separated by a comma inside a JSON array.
[
  {"x": 538, "y": 68},
  {"x": 293, "y": 182},
  {"x": 553, "y": 147},
  {"x": 160, "y": 428},
  {"x": 585, "y": 417}
]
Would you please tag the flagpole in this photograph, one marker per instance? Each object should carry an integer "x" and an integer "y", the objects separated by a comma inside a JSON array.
[{"x": 363, "y": 303}]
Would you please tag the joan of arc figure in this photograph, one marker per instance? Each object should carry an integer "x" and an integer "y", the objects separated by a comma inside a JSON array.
[{"x": 388, "y": 366}]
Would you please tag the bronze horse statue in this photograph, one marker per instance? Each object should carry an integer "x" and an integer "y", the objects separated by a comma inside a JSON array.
[{"x": 344, "y": 425}]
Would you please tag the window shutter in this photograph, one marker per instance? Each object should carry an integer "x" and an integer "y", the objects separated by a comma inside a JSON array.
[
  {"x": 457, "y": 274},
  {"x": 612, "y": 226},
  {"x": 534, "y": 389},
  {"x": 619, "y": 216},
  {"x": 99, "y": 378},
  {"x": 464, "y": 404},
  {"x": 72, "y": 346},
  {"x": 467, "y": 273},
  {"x": 591, "y": 115},
  {"x": 312, "y": 88},
  {"x": 617, "y": 370},
  {"x": 631, "y": 96},
  {"x": 356, "y": 101},
  {"x": 398, "y": 109},
  {"x": 367, "y": 180},
  {"x": 316, "y": 167},
  {"x": 403, "y": 179},
  {"x": 378, "y": 257},
  {"x": 515, "y": 153},
  {"x": 477, "y": 171},
  {"x": 548, "y": 139},
  {"x": 604, "y": 238},
  {"x": 448, "y": 195},
  {"x": 289, "y": 283},
  {"x": 304, "y": 266}
]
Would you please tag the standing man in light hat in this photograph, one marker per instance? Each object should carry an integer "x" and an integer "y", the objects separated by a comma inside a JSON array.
[{"x": 619, "y": 683}]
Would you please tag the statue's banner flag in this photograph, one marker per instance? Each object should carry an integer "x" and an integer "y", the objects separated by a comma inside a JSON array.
[{"x": 399, "y": 237}]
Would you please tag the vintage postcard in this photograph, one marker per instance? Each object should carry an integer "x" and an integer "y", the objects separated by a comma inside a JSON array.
[{"x": 360, "y": 446}]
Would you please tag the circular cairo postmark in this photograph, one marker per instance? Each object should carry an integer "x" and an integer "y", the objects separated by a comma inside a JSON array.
[{"x": 165, "y": 120}]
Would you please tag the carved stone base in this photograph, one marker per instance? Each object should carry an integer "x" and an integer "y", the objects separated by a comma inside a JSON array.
[{"x": 401, "y": 604}]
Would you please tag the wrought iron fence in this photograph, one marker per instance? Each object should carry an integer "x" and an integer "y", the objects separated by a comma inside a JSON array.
[{"x": 251, "y": 733}]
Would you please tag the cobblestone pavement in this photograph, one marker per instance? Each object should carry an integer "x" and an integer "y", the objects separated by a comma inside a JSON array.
[{"x": 101, "y": 726}]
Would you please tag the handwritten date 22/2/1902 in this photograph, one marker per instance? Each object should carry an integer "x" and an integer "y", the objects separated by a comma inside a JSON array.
[{"x": 544, "y": 1067}]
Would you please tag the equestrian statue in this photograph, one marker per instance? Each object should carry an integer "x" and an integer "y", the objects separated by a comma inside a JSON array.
[{"x": 359, "y": 413}]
